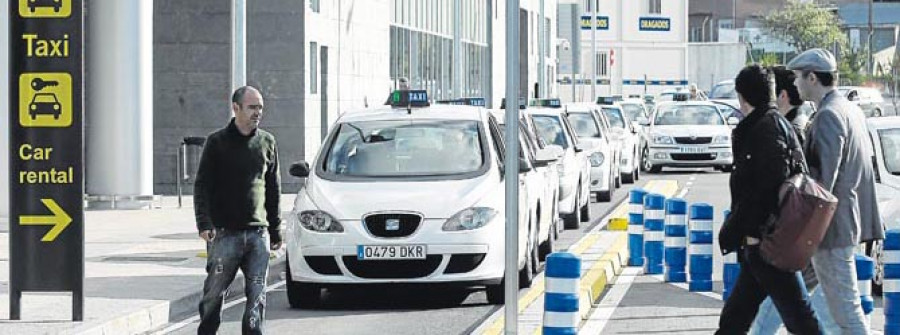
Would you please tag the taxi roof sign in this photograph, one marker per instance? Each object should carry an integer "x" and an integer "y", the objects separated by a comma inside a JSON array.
[
  {"x": 551, "y": 103},
  {"x": 409, "y": 98},
  {"x": 467, "y": 101}
]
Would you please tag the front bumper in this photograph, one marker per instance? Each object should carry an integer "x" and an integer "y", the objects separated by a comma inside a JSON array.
[
  {"x": 451, "y": 257},
  {"x": 600, "y": 180},
  {"x": 685, "y": 156}
]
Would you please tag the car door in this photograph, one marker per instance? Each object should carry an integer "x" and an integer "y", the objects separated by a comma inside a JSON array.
[
  {"x": 499, "y": 141},
  {"x": 581, "y": 159}
]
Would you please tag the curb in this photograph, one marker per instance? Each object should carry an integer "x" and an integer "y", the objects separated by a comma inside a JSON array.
[
  {"x": 162, "y": 314},
  {"x": 601, "y": 274}
]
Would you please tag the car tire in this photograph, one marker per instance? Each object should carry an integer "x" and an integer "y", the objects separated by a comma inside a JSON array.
[
  {"x": 645, "y": 161},
  {"x": 618, "y": 180},
  {"x": 496, "y": 294},
  {"x": 536, "y": 255},
  {"x": 302, "y": 295},
  {"x": 573, "y": 220},
  {"x": 637, "y": 173},
  {"x": 547, "y": 247},
  {"x": 604, "y": 196},
  {"x": 727, "y": 168},
  {"x": 526, "y": 273},
  {"x": 585, "y": 211},
  {"x": 628, "y": 178},
  {"x": 655, "y": 169}
]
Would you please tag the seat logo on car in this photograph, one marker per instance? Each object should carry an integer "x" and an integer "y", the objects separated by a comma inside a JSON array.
[{"x": 392, "y": 224}]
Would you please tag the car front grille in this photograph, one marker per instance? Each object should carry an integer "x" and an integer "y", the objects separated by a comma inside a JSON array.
[
  {"x": 693, "y": 140},
  {"x": 392, "y": 269},
  {"x": 693, "y": 157},
  {"x": 404, "y": 224}
]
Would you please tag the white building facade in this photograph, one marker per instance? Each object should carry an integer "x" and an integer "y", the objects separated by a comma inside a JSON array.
[
  {"x": 641, "y": 47},
  {"x": 357, "y": 50}
]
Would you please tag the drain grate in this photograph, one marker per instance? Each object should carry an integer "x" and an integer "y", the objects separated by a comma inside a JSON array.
[{"x": 145, "y": 259}]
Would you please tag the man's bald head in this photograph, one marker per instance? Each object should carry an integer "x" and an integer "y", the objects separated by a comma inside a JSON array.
[{"x": 238, "y": 95}]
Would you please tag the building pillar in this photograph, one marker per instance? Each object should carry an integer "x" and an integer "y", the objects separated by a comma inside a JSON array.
[{"x": 119, "y": 120}]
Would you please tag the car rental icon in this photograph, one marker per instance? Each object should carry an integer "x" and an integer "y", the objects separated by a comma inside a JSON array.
[
  {"x": 33, "y": 5},
  {"x": 44, "y": 104}
]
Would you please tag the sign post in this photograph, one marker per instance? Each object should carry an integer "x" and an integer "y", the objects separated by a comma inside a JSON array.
[{"x": 46, "y": 154}]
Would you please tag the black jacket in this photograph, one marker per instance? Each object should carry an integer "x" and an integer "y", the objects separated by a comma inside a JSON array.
[{"x": 761, "y": 165}]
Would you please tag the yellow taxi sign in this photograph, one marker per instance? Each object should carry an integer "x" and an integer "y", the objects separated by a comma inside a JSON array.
[
  {"x": 45, "y": 99},
  {"x": 45, "y": 8}
]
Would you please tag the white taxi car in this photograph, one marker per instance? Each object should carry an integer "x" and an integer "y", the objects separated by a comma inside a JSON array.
[
  {"x": 885, "y": 135},
  {"x": 407, "y": 193},
  {"x": 690, "y": 134},
  {"x": 540, "y": 184},
  {"x": 587, "y": 122},
  {"x": 552, "y": 127},
  {"x": 629, "y": 138}
]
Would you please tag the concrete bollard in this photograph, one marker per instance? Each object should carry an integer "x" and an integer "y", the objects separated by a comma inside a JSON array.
[
  {"x": 636, "y": 227},
  {"x": 563, "y": 278},
  {"x": 731, "y": 269},
  {"x": 865, "y": 271},
  {"x": 891, "y": 283},
  {"x": 700, "y": 249},
  {"x": 676, "y": 241},
  {"x": 654, "y": 222}
]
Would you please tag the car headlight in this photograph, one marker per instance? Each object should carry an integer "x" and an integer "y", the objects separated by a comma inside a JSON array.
[
  {"x": 596, "y": 159},
  {"x": 470, "y": 218},
  {"x": 722, "y": 139},
  {"x": 660, "y": 139},
  {"x": 319, "y": 221}
]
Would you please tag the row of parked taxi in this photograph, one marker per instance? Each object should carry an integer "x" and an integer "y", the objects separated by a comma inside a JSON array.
[{"x": 413, "y": 192}]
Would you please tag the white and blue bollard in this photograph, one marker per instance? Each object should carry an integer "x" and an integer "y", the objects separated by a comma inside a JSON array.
[
  {"x": 700, "y": 249},
  {"x": 865, "y": 271},
  {"x": 636, "y": 227},
  {"x": 891, "y": 282},
  {"x": 676, "y": 241},
  {"x": 561, "y": 298},
  {"x": 654, "y": 222},
  {"x": 731, "y": 269}
]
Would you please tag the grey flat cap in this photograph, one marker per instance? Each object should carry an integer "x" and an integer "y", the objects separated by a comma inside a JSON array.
[{"x": 818, "y": 60}]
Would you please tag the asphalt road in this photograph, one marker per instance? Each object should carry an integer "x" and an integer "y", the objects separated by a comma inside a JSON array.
[{"x": 432, "y": 309}]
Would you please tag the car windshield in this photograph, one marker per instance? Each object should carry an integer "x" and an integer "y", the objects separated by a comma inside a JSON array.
[
  {"x": 890, "y": 148},
  {"x": 404, "y": 148},
  {"x": 683, "y": 115},
  {"x": 550, "y": 129},
  {"x": 633, "y": 111},
  {"x": 584, "y": 125},
  {"x": 615, "y": 117},
  {"x": 723, "y": 91}
]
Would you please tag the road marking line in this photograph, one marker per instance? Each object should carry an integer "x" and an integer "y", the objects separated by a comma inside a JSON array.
[{"x": 604, "y": 311}]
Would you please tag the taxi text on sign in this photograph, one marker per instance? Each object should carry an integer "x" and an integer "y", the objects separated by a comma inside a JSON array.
[{"x": 46, "y": 151}]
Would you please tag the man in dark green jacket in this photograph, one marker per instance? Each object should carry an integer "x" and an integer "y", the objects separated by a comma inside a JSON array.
[{"x": 236, "y": 203}]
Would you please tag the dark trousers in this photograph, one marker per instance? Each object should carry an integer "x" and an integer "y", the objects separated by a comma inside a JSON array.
[
  {"x": 230, "y": 250},
  {"x": 758, "y": 280}
]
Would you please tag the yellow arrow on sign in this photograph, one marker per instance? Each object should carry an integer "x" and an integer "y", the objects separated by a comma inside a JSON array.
[{"x": 59, "y": 220}]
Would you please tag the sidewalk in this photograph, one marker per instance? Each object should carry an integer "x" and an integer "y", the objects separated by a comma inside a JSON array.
[{"x": 143, "y": 269}]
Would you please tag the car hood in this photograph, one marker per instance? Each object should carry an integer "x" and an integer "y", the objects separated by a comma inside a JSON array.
[
  {"x": 434, "y": 199},
  {"x": 687, "y": 131}
]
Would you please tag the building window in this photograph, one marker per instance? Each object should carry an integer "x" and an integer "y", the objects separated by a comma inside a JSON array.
[
  {"x": 313, "y": 67},
  {"x": 602, "y": 64},
  {"x": 654, "y": 6},
  {"x": 314, "y": 5}
]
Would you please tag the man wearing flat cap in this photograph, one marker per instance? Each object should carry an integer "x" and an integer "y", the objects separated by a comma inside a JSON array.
[{"x": 839, "y": 157}]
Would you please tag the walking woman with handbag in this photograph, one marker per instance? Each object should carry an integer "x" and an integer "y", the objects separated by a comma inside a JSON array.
[{"x": 763, "y": 161}]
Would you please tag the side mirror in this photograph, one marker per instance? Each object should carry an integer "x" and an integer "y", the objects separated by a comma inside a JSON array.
[
  {"x": 733, "y": 121},
  {"x": 544, "y": 157},
  {"x": 300, "y": 169},
  {"x": 555, "y": 150},
  {"x": 523, "y": 166},
  {"x": 635, "y": 127},
  {"x": 579, "y": 147},
  {"x": 644, "y": 121}
]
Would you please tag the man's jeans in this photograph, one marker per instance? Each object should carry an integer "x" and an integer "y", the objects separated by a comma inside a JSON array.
[
  {"x": 230, "y": 250},
  {"x": 836, "y": 270},
  {"x": 757, "y": 280},
  {"x": 768, "y": 321}
]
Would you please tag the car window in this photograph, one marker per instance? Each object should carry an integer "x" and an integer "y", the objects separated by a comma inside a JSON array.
[
  {"x": 615, "y": 117},
  {"x": 679, "y": 115},
  {"x": 522, "y": 149},
  {"x": 890, "y": 149},
  {"x": 570, "y": 133},
  {"x": 584, "y": 125},
  {"x": 723, "y": 91},
  {"x": 550, "y": 129},
  {"x": 404, "y": 148},
  {"x": 633, "y": 111}
]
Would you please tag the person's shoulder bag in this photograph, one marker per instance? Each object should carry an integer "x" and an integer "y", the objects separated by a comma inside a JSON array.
[{"x": 804, "y": 214}]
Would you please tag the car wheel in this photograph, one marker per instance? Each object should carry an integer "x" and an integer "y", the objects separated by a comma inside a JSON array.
[
  {"x": 573, "y": 220},
  {"x": 547, "y": 247},
  {"x": 645, "y": 162},
  {"x": 628, "y": 178},
  {"x": 496, "y": 293},
  {"x": 637, "y": 173},
  {"x": 655, "y": 169},
  {"x": 585, "y": 211},
  {"x": 604, "y": 196},
  {"x": 535, "y": 255},
  {"x": 526, "y": 273},
  {"x": 302, "y": 295}
]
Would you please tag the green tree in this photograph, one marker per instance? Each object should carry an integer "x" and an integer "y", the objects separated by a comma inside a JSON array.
[
  {"x": 851, "y": 67},
  {"x": 805, "y": 25}
]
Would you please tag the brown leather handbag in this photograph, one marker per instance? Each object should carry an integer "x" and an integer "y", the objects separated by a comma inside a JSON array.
[{"x": 805, "y": 212}]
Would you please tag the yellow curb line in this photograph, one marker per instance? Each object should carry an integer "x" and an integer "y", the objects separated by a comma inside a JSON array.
[{"x": 615, "y": 257}]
